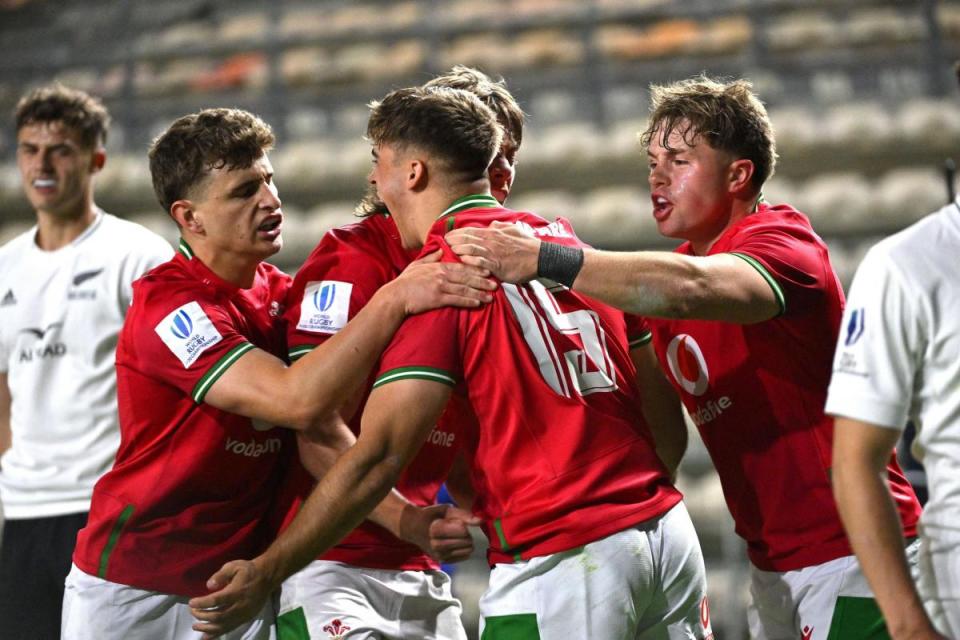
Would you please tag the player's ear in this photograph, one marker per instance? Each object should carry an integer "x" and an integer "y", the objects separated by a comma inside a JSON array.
[
  {"x": 184, "y": 214},
  {"x": 98, "y": 159},
  {"x": 417, "y": 175},
  {"x": 740, "y": 175}
]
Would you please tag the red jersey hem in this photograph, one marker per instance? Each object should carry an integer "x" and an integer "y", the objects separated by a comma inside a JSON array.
[
  {"x": 556, "y": 543},
  {"x": 374, "y": 558}
]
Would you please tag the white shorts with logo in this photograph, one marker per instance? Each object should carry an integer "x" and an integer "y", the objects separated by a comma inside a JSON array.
[
  {"x": 643, "y": 583},
  {"x": 825, "y": 601},
  {"x": 336, "y": 600},
  {"x": 94, "y": 609},
  {"x": 939, "y": 584}
]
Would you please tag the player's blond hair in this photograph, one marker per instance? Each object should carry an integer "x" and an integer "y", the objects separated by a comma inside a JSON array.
[
  {"x": 493, "y": 93},
  {"x": 727, "y": 115},
  {"x": 194, "y": 145}
]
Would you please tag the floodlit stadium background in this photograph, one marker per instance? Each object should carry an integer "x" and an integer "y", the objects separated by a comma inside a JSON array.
[{"x": 860, "y": 92}]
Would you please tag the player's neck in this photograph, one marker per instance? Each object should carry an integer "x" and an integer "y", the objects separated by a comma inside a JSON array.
[
  {"x": 739, "y": 209},
  {"x": 57, "y": 230}
]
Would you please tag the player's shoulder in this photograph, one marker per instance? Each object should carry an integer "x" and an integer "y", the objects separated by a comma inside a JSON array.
[{"x": 128, "y": 237}]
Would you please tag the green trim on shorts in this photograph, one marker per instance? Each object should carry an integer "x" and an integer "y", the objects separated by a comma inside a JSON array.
[
  {"x": 857, "y": 619},
  {"x": 292, "y": 625},
  {"x": 112, "y": 540},
  {"x": 519, "y": 626},
  {"x": 299, "y": 351}
]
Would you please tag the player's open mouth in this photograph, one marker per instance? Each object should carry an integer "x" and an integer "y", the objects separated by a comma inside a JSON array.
[
  {"x": 661, "y": 207},
  {"x": 44, "y": 183},
  {"x": 271, "y": 226}
]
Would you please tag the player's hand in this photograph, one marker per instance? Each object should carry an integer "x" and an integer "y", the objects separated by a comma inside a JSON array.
[
  {"x": 428, "y": 284},
  {"x": 504, "y": 249},
  {"x": 441, "y": 530},
  {"x": 239, "y": 591}
]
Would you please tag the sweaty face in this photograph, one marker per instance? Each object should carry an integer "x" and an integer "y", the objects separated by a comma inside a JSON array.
[
  {"x": 503, "y": 169},
  {"x": 55, "y": 169},
  {"x": 689, "y": 188},
  {"x": 239, "y": 210}
]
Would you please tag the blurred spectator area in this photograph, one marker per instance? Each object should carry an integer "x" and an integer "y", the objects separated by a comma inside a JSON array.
[{"x": 860, "y": 93}]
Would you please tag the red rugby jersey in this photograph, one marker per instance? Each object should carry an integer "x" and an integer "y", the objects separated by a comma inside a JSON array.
[
  {"x": 757, "y": 392},
  {"x": 562, "y": 455},
  {"x": 332, "y": 286},
  {"x": 192, "y": 486}
]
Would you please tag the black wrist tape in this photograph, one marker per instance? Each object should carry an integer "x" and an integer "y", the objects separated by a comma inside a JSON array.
[{"x": 559, "y": 263}]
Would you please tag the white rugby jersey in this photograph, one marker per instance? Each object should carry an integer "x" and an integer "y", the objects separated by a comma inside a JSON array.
[
  {"x": 60, "y": 315},
  {"x": 898, "y": 355}
]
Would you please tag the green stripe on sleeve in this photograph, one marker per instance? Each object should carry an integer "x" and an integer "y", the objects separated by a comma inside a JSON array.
[
  {"x": 777, "y": 289},
  {"x": 112, "y": 540},
  {"x": 640, "y": 340},
  {"x": 299, "y": 351},
  {"x": 218, "y": 369},
  {"x": 415, "y": 373}
]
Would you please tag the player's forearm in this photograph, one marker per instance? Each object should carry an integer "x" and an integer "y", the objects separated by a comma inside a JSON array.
[
  {"x": 870, "y": 519},
  {"x": 319, "y": 381},
  {"x": 347, "y": 494}
]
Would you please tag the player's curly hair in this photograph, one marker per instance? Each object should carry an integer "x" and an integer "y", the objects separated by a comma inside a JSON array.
[
  {"x": 728, "y": 115},
  {"x": 452, "y": 125},
  {"x": 493, "y": 93},
  {"x": 76, "y": 109},
  {"x": 194, "y": 145}
]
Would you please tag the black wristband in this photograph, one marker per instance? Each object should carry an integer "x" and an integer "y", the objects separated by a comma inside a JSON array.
[{"x": 559, "y": 263}]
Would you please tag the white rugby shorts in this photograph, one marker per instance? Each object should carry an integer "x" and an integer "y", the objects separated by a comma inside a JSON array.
[
  {"x": 646, "y": 582},
  {"x": 829, "y": 600},
  {"x": 94, "y": 609},
  {"x": 336, "y": 600}
]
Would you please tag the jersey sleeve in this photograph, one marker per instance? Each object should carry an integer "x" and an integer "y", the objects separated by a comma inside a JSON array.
[
  {"x": 335, "y": 282},
  {"x": 638, "y": 330},
  {"x": 791, "y": 262},
  {"x": 189, "y": 342},
  {"x": 426, "y": 347},
  {"x": 879, "y": 348}
]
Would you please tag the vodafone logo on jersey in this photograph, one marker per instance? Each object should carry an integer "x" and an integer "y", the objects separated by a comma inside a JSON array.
[
  {"x": 687, "y": 365},
  {"x": 689, "y": 369}
]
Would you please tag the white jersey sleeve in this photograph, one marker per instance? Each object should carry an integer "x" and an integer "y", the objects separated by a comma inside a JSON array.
[{"x": 880, "y": 346}]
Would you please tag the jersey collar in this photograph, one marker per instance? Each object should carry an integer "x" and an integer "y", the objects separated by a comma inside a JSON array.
[
  {"x": 185, "y": 249},
  {"x": 202, "y": 271},
  {"x": 475, "y": 201}
]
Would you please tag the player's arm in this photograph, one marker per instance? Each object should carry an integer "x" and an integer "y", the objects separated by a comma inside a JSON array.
[
  {"x": 320, "y": 449},
  {"x": 396, "y": 421},
  {"x": 6, "y": 435},
  {"x": 307, "y": 393},
  {"x": 661, "y": 407},
  {"x": 651, "y": 283},
  {"x": 860, "y": 455}
]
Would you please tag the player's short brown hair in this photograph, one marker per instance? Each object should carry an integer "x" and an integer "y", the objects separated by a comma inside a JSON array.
[
  {"x": 727, "y": 115},
  {"x": 76, "y": 109},
  {"x": 194, "y": 145},
  {"x": 452, "y": 125},
  {"x": 493, "y": 93}
]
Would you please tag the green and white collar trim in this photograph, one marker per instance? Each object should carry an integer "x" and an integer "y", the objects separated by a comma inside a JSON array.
[
  {"x": 185, "y": 249},
  {"x": 469, "y": 202}
]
